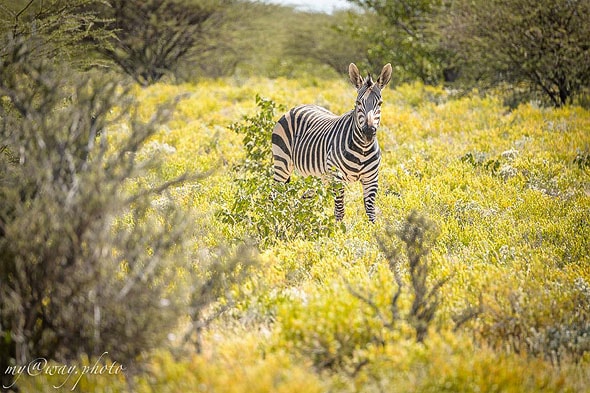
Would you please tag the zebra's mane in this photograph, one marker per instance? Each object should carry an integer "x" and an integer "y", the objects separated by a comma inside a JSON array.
[{"x": 368, "y": 86}]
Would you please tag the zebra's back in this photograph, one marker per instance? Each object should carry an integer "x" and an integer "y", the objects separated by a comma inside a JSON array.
[{"x": 303, "y": 138}]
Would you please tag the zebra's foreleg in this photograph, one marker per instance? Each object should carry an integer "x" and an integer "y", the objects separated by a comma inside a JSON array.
[{"x": 369, "y": 193}]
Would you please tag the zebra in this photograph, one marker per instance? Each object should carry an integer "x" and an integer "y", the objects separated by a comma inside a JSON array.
[{"x": 317, "y": 142}]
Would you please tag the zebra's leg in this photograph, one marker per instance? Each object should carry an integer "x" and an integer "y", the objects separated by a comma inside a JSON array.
[
  {"x": 282, "y": 175},
  {"x": 339, "y": 200},
  {"x": 369, "y": 192},
  {"x": 336, "y": 179}
]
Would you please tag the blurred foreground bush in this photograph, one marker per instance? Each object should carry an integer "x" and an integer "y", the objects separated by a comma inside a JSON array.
[{"x": 93, "y": 253}]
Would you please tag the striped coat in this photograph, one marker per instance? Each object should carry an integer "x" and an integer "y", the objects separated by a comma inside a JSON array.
[{"x": 317, "y": 142}]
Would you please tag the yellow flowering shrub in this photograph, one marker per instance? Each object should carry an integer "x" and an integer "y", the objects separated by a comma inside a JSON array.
[{"x": 509, "y": 193}]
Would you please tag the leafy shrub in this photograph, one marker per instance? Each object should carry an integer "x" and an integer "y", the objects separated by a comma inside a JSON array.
[
  {"x": 74, "y": 241},
  {"x": 500, "y": 166},
  {"x": 538, "y": 45},
  {"x": 418, "y": 235},
  {"x": 337, "y": 328},
  {"x": 60, "y": 29},
  {"x": 478, "y": 159},
  {"x": 404, "y": 34},
  {"x": 88, "y": 262},
  {"x": 268, "y": 210},
  {"x": 521, "y": 321},
  {"x": 331, "y": 328},
  {"x": 153, "y": 38}
]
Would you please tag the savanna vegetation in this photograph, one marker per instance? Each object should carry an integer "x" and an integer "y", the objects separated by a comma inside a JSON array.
[{"x": 144, "y": 246}]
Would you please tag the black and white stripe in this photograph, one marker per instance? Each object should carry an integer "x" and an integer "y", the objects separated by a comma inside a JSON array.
[{"x": 317, "y": 142}]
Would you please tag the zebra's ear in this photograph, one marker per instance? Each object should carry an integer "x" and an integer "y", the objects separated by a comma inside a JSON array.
[
  {"x": 385, "y": 76},
  {"x": 355, "y": 76}
]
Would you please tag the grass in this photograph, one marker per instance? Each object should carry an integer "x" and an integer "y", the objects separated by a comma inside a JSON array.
[{"x": 508, "y": 193}]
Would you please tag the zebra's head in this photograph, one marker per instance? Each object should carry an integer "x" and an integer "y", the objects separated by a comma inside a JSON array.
[{"x": 367, "y": 109}]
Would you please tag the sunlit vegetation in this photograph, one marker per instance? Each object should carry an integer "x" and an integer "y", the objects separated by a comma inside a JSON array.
[
  {"x": 144, "y": 246},
  {"x": 506, "y": 198}
]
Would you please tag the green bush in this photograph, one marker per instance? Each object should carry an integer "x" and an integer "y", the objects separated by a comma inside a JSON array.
[
  {"x": 539, "y": 47},
  {"x": 154, "y": 38},
  {"x": 60, "y": 29},
  {"x": 267, "y": 210}
]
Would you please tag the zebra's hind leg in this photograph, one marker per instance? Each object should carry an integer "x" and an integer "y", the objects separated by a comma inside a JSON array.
[
  {"x": 336, "y": 182},
  {"x": 281, "y": 175},
  {"x": 339, "y": 200}
]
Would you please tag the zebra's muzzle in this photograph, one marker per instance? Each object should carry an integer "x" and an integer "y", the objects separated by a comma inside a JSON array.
[{"x": 369, "y": 132}]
